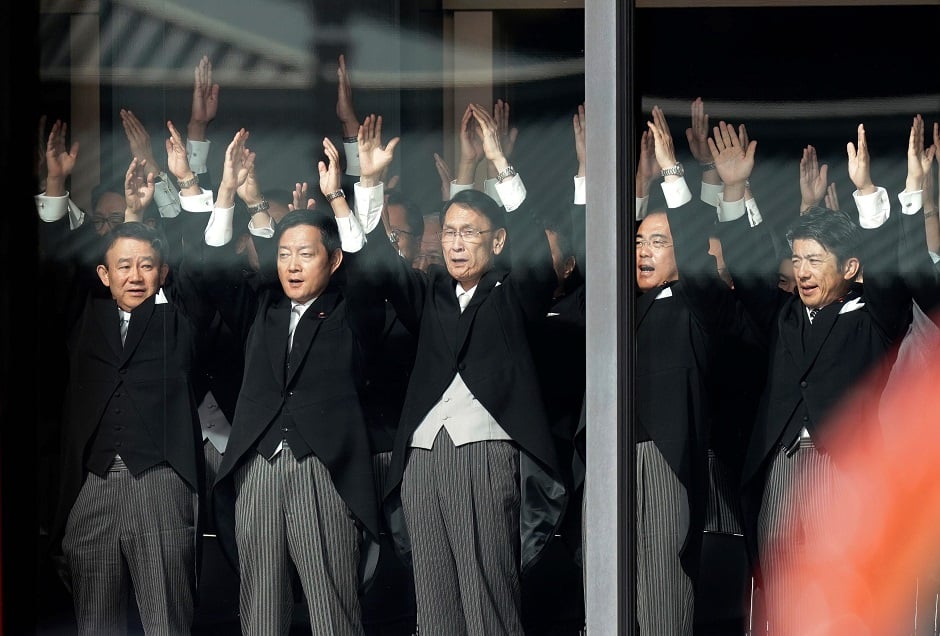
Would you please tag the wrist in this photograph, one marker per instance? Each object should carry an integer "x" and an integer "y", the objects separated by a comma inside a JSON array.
[
  {"x": 368, "y": 181},
  {"x": 196, "y": 131},
  {"x": 187, "y": 182},
  {"x": 257, "y": 205}
]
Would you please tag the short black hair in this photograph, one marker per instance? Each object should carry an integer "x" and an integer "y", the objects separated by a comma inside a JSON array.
[
  {"x": 326, "y": 223},
  {"x": 413, "y": 215},
  {"x": 138, "y": 231},
  {"x": 479, "y": 202},
  {"x": 832, "y": 229}
]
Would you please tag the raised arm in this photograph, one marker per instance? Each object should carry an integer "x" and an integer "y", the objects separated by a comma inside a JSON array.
[
  {"x": 138, "y": 190},
  {"x": 205, "y": 102},
  {"x": 374, "y": 156},
  {"x": 859, "y": 163},
  {"x": 813, "y": 180},
  {"x": 507, "y": 134},
  {"x": 697, "y": 136},
  {"x": 471, "y": 149},
  {"x": 733, "y": 160},
  {"x": 60, "y": 160}
]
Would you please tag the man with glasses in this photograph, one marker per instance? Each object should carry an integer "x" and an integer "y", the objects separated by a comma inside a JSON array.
[
  {"x": 683, "y": 315},
  {"x": 473, "y": 447}
]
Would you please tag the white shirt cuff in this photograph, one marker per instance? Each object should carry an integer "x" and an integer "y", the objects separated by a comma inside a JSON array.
[
  {"x": 261, "y": 231},
  {"x": 52, "y": 208},
  {"x": 730, "y": 210},
  {"x": 351, "y": 149},
  {"x": 489, "y": 187},
  {"x": 711, "y": 192},
  {"x": 457, "y": 187},
  {"x": 197, "y": 152},
  {"x": 911, "y": 202},
  {"x": 873, "y": 209},
  {"x": 219, "y": 229},
  {"x": 677, "y": 192},
  {"x": 202, "y": 202},
  {"x": 753, "y": 212},
  {"x": 369, "y": 202},
  {"x": 350, "y": 233},
  {"x": 580, "y": 190},
  {"x": 511, "y": 192}
]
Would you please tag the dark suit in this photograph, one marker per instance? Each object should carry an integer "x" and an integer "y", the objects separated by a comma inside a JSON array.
[
  {"x": 680, "y": 330},
  {"x": 812, "y": 370},
  {"x": 135, "y": 400},
  {"x": 488, "y": 344},
  {"x": 309, "y": 399}
]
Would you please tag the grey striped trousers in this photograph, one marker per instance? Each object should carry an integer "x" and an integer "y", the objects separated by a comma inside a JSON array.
[
  {"x": 461, "y": 505},
  {"x": 125, "y": 530},
  {"x": 665, "y": 601},
  {"x": 287, "y": 511}
]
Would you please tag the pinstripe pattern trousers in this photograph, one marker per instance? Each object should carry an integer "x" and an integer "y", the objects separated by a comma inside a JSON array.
[
  {"x": 665, "y": 601},
  {"x": 128, "y": 531},
  {"x": 288, "y": 511},
  {"x": 798, "y": 490},
  {"x": 461, "y": 505}
]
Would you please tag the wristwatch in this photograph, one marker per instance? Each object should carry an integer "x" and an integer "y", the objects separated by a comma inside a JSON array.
[
  {"x": 506, "y": 173},
  {"x": 188, "y": 183},
  {"x": 676, "y": 170},
  {"x": 263, "y": 206}
]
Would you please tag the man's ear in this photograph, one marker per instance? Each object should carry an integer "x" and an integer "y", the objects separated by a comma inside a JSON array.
[
  {"x": 164, "y": 270},
  {"x": 335, "y": 259},
  {"x": 499, "y": 240},
  {"x": 850, "y": 268},
  {"x": 103, "y": 275}
]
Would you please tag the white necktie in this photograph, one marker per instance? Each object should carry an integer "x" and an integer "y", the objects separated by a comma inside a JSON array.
[
  {"x": 463, "y": 299},
  {"x": 125, "y": 323},
  {"x": 294, "y": 319}
]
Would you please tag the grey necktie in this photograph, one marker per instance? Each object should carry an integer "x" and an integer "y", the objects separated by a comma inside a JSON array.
[
  {"x": 125, "y": 323},
  {"x": 294, "y": 319},
  {"x": 812, "y": 314},
  {"x": 463, "y": 299}
]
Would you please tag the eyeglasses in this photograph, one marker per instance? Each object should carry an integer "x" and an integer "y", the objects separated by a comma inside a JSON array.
[
  {"x": 395, "y": 234},
  {"x": 469, "y": 235},
  {"x": 656, "y": 243},
  {"x": 115, "y": 218}
]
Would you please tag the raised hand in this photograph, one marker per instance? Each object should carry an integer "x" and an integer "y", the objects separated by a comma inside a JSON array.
[
  {"x": 647, "y": 167},
  {"x": 663, "y": 146},
  {"x": 239, "y": 161},
  {"x": 331, "y": 177},
  {"x": 579, "y": 125},
  {"x": 299, "y": 196},
  {"x": 249, "y": 190},
  {"x": 60, "y": 160},
  {"x": 177, "y": 162},
  {"x": 813, "y": 179},
  {"x": 697, "y": 134},
  {"x": 443, "y": 172},
  {"x": 919, "y": 159},
  {"x": 345, "y": 110},
  {"x": 734, "y": 161},
  {"x": 488, "y": 132},
  {"x": 507, "y": 134},
  {"x": 138, "y": 189},
  {"x": 374, "y": 156},
  {"x": 471, "y": 148},
  {"x": 139, "y": 140},
  {"x": 205, "y": 104},
  {"x": 859, "y": 163}
]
